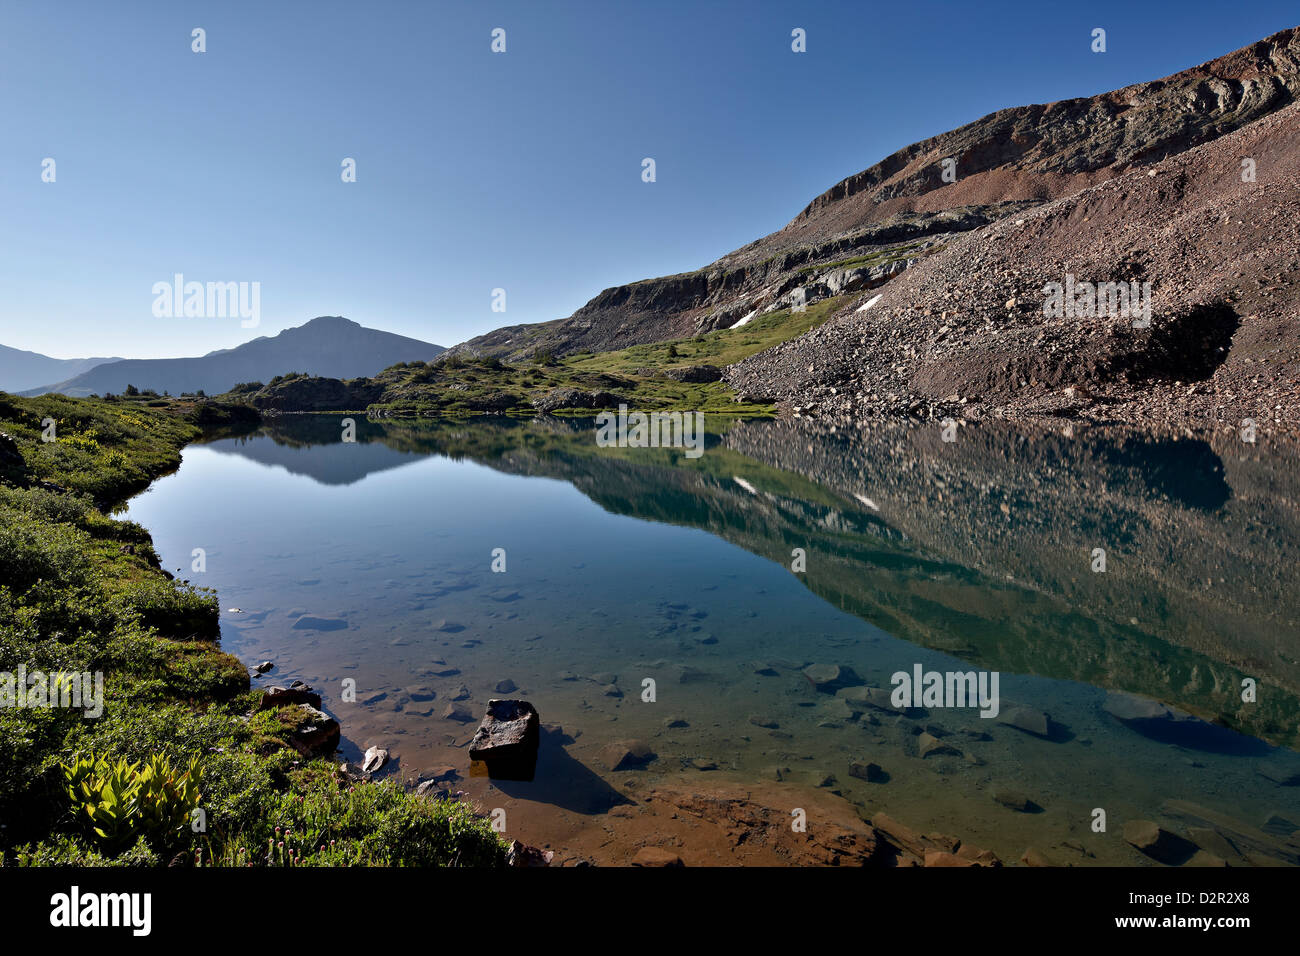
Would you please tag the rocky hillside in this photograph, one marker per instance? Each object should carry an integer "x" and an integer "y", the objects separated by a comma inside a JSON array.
[
  {"x": 966, "y": 332},
  {"x": 872, "y": 226}
]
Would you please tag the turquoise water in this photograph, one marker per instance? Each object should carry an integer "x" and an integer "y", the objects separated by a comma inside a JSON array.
[{"x": 372, "y": 562}]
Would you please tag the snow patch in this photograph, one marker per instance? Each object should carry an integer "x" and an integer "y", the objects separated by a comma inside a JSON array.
[{"x": 870, "y": 302}]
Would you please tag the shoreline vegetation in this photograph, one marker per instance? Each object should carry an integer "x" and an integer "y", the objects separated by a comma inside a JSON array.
[{"x": 186, "y": 764}]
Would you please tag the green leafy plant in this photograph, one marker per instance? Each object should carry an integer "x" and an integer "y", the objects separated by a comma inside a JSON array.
[{"x": 122, "y": 801}]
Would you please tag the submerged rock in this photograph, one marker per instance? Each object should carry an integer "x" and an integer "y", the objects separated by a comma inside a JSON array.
[
  {"x": 1158, "y": 843},
  {"x": 870, "y": 772},
  {"x": 1030, "y": 721},
  {"x": 829, "y": 678},
  {"x": 458, "y": 712},
  {"x": 627, "y": 755}
]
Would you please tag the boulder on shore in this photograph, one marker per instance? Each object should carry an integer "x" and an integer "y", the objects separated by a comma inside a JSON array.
[{"x": 507, "y": 740}]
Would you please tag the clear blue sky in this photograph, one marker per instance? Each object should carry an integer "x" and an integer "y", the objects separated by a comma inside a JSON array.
[{"x": 477, "y": 170}]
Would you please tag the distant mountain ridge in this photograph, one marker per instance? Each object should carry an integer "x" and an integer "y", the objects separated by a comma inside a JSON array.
[
  {"x": 21, "y": 370},
  {"x": 329, "y": 346}
]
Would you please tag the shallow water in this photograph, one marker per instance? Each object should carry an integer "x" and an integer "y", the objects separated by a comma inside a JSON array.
[{"x": 372, "y": 561}]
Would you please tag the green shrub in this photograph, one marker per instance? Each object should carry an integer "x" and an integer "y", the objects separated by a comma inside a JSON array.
[{"x": 123, "y": 802}]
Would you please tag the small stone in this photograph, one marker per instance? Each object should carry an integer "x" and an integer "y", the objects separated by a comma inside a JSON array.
[
  {"x": 929, "y": 745},
  {"x": 674, "y": 723},
  {"x": 506, "y": 686},
  {"x": 1013, "y": 800},
  {"x": 870, "y": 772},
  {"x": 655, "y": 856},
  {"x": 375, "y": 758},
  {"x": 458, "y": 712},
  {"x": 1280, "y": 825},
  {"x": 1034, "y": 857},
  {"x": 829, "y": 678},
  {"x": 766, "y": 722},
  {"x": 627, "y": 755},
  {"x": 263, "y": 667},
  {"x": 1030, "y": 721},
  {"x": 1157, "y": 842},
  {"x": 1212, "y": 841}
]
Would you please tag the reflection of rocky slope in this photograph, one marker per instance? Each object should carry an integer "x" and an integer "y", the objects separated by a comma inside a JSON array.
[
  {"x": 1201, "y": 543},
  {"x": 982, "y": 547}
]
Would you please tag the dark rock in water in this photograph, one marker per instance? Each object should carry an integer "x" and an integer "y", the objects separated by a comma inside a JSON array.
[
  {"x": 274, "y": 698},
  {"x": 507, "y": 740},
  {"x": 1282, "y": 776},
  {"x": 766, "y": 722},
  {"x": 1030, "y": 721},
  {"x": 263, "y": 667},
  {"x": 521, "y": 855},
  {"x": 1015, "y": 800},
  {"x": 870, "y": 772},
  {"x": 462, "y": 693},
  {"x": 421, "y": 694},
  {"x": 375, "y": 758},
  {"x": 673, "y": 723},
  {"x": 1212, "y": 841},
  {"x": 627, "y": 755},
  {"x": 829, "y": 678},
  {"x": 877, "y": 698},
  {"x": 312, "y": 732},
  {"x": 1279, "y": 825},
  {"x": 458, "y": 712},
  {"x": 1169, "y": 725},
  {"x": 507, "y": 686},
  {"x": 1158, "y": 843},
  {"x": 929, "y": 745},
  {"x": 1126, "y": 707}
]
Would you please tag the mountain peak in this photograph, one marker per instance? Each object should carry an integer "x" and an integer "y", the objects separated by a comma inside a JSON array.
[{"x": 330, "y": 321}]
